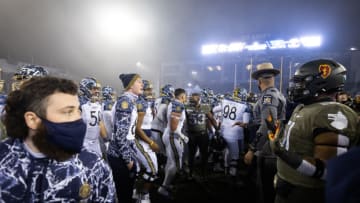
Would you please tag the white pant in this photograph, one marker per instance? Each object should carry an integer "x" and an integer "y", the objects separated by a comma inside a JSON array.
[{"x": 147, "y": 158}]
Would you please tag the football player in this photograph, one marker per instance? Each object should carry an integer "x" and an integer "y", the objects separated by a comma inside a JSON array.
[
  {"x": 319, "y": 129},
  {"x": 174, "y": 140},
  {"x": 145, "y": 145},
  {"x": 25, "y": 72},
  {"x": 159, "y": 123},
  {"x": 236, "y": 115},
  {"x": 92, "y": 115}
]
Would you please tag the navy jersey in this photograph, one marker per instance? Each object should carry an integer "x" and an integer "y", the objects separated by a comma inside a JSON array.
[{"x": 26, "y": 176}]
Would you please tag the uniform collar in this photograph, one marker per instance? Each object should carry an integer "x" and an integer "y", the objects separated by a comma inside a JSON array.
[
  {"x": 268, "y": 88},
  {"x": 131, "y": 95}
]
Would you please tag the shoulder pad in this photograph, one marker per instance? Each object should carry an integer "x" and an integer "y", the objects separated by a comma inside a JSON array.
[{"x": 177, "y": 107}]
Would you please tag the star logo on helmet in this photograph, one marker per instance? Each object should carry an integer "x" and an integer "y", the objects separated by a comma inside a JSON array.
[{"x": 325, "y": 70}]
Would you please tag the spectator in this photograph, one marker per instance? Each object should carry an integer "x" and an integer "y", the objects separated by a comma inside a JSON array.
[
  {"x": 43, "y": 159},
  {"x": 122, "y": 152}
]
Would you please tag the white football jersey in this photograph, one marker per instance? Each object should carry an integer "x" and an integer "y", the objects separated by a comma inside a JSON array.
[
  {"x": 148, "y": 118},
  {"x": 160, "y": 120},
  {"x": 176, "y": 106},
  {"x": 233, "y": 111},
  {"x": 92, "y": 115}
]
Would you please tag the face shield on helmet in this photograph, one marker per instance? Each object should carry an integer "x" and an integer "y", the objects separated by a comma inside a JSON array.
[
  {"x": 316, "y": 78},
  {"x": 240, "y": 93},
  {"x": 167, "y": 91},
  {"x": 26, "y": 72}
]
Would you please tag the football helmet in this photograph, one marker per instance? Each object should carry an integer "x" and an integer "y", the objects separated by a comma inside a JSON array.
[
  {"x": 90, "y": 88},
  {"x": 108, "y": 93},
  {"x": 206, "y": 95},
  {"x": 314, "y": 78},
  {"x": 26, "y": 72},
  {"x": 240, "y": 93},
  {"x": 148, "y": 89},
  {"x": 167, "y": 90},
  {"x": 147, "y": 84}
]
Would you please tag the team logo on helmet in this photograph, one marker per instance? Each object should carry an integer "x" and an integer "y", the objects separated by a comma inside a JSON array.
[{"x": 325, "y": 70}]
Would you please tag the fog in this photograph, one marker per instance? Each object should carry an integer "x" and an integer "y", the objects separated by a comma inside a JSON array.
[{"x": 67, "y": 34}]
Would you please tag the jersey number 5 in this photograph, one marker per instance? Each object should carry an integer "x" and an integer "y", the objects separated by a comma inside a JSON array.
[{"x": 94, "y": 118}]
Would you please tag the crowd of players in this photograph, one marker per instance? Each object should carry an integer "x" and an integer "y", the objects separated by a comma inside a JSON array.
[{"x": 214, "y": 127}]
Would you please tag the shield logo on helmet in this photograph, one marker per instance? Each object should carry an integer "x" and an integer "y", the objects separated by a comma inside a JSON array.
[{"x": 325, "y": 70}]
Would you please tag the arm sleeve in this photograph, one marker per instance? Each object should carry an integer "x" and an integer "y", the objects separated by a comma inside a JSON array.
[{"x": 122, "y": 126}]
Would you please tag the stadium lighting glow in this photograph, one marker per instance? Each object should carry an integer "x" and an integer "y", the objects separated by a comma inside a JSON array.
[
  {"x": 293, "y": 43},
  {"x": 210, "y": 68},
  {"x": 353, "y": 49},
  {"x": 219, "y": 68},
  {"x": 193, "y": 73},
  {"x": 189, "y": 84},
  {"x": 118, "y": 23},
  {"x": 256, "y": 46},
  {"x": 248, "y": 67},
  {"x": 311, "y": 41},
  {"x": 236, "y": 46},
  {"x": 210, "y": 49},
  {"x": 277, "y": 44},
  {"x": 139, "y": 64}
]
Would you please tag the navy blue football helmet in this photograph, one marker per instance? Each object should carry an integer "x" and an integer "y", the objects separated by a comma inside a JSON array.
[{"x": 167, "y": 90}]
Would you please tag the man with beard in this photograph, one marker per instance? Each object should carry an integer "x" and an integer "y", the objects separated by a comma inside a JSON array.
[{"x": 43, "y": 159}]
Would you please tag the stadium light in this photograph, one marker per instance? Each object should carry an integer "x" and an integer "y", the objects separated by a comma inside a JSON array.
[
  {"x": 353, "y": 49},
  {"x": 236, "y": 47},
  {"x": 305, "y": 41},
  {"x": 139, "y": 64},
  {"x": 313, "y": 41},
  {"x": 210, "y": 68},
  {"x": 219, "y": 68},
  {"x": 277, "y": 44},
  {"x": 294, "y": 43},
  {"x": 256, "y": 46},
  {"x": 209, "y": 49},
  {"x": 118, "y": 23}
]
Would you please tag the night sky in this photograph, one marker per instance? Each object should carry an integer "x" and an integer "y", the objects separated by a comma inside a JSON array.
[{"x": 61, "y": 33}]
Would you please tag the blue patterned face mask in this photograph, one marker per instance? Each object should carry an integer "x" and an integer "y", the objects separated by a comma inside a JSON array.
[{"x": 68, "y": 135}]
